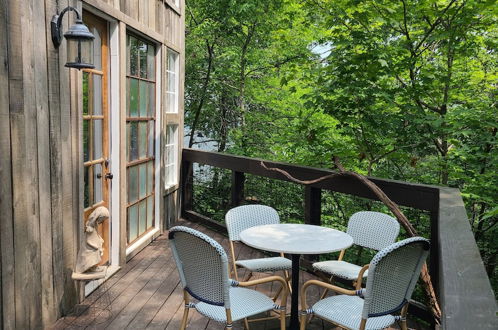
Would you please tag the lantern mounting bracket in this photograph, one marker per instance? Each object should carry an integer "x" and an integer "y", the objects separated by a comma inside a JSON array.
[{"x": 56, "y": 23}]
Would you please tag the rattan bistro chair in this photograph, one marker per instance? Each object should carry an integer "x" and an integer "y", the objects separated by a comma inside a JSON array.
[
  {"x": 203, "y": 268},
  {"x": 373, "y": 230},
  {"x": 243, "y": 217},
  {"x": 394, "y": 271}
]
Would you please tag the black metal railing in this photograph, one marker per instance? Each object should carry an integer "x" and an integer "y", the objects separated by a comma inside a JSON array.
[{"x": 458, "y": 274}]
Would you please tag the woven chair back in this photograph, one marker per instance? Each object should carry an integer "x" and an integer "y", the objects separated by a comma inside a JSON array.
[
  {"x": 392, "y": 276},
  {"x": 373, "y": 230},
  {"x": 247, "y": 216},
  {"x": 202, "y": 265}
]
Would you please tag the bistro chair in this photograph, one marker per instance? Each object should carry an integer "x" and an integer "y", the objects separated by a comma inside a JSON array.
[
  {"x": 373, "y": 230},
  {"x": 247, "y": 216},
  {"x": 203, "y": 268},
  {"x": 394, "y": 271}
]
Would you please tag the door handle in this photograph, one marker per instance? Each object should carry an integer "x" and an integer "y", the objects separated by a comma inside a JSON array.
[{"x": 109, "y": 176}]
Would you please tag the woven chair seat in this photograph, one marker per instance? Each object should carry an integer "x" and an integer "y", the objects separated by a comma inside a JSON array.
[
  {"x": 265, "y": 264},
  {"x": 244, "y": 303},
  {"x": 340, "y": 269},
  {"x": 346, "y": 311},
  {"x": 394, "y": 272}
]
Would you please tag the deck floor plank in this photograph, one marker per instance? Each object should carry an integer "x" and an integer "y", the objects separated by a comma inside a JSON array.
[
  {"x": 128, "y": 313},
  {"x": 151, "y": 308},
  {"x": 122, "y": 299},
  {"x": 165, "y": 314},
  {"x": 146, "y": 294}
]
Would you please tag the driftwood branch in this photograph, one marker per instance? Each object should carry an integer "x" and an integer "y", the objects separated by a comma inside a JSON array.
[{"x": 393, "y": 207}]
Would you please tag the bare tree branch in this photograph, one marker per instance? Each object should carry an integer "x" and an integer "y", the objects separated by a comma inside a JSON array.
[{"x": 436, "y": 310}]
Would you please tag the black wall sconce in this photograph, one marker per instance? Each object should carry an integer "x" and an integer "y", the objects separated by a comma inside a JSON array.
[{"x": 79, "y": 41}]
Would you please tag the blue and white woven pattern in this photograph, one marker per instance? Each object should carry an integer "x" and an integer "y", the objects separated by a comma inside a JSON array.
[
  {"x": 394, "y": 271},
  {"x": 202, "y": 265},
  {"x": 346, "y": 311},
  {"x": 340, "y": 269},
  {"x": 247, "y": 216},
  {"x": 265, "y": 264},
  {"x": 393, "y": 274},
  {"x": 244, "y": 303},
  {"x": 373, "y": 230},
  {"x": 369, "y": 229}
]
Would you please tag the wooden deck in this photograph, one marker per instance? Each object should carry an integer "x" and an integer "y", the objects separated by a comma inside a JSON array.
[{"x": 146, "y": 294}]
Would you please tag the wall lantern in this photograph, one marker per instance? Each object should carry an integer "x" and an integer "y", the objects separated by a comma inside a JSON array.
[{"x": 79, "y": 41}]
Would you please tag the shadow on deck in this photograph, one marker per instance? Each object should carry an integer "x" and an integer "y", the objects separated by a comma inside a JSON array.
[{"x": 146, "y": 294}]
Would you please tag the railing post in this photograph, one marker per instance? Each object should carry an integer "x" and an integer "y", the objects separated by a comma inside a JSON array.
[
  {"x": 187, "y": 186},
  {"x": 312, "y": 211},
  {"x": 237, "y": 196},
  {"x": 434, "y": 255},
  {"x": 312, "y": 206}
]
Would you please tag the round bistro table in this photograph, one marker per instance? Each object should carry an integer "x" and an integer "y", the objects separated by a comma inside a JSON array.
[{"x": 296, "y": 239}]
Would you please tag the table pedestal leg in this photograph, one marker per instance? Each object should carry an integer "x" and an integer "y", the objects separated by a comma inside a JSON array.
[{"x": 294, "y": 319}]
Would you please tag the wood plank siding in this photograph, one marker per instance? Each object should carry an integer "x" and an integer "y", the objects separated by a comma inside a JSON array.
[{"x": 41, "y": 161}]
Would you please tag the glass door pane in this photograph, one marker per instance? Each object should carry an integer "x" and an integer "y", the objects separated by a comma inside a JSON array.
[
  {"x": 140, "y": 127},
  {"x": 96, "y": 130}
]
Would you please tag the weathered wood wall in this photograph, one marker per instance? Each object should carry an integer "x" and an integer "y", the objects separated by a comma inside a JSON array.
[{"x": 40, "y": 151}]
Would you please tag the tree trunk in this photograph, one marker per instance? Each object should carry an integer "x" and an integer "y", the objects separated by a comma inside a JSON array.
[
  {"x": 203, "y": 95},
  {"x": 242, "y": 84}
]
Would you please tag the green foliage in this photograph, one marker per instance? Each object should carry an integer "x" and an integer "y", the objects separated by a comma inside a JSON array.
[{"x": 404, "y": 90}]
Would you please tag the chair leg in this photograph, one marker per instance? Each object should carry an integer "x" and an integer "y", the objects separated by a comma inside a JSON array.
[
  {"x": 248, "y": 277},
  {"x": 282, "y": 320},
  {"x": 228, "y": 326},
  {"x": 185, "y": 311},
  {"x": 275, "y": 297},
  {"x": 288, "y": 280},
  {"x": 404, "y": 311},
  {"x": 183, "y": 326},
  {"x": 363, "y": 323},
  {"x": 304, "y": 318},
  {"x": 324, "y": 293},
  {"x": 234, "y": 273},
  {"x": 234, "y": 261}
]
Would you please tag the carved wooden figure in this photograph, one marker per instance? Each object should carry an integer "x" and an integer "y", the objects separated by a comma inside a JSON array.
[{"x": 91, "y": 250}]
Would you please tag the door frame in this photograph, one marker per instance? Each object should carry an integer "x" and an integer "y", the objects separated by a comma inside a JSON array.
[
  {"x": 114, "y": 110},
  {"x": 102, "y": 26},
  {"x": 115, "y": 139},
  {"x": 140, "y": 243},
  {"x": 120, "y": 253}
]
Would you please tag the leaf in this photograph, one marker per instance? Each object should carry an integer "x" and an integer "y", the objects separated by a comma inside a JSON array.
[{"x": 491, "y": 213}]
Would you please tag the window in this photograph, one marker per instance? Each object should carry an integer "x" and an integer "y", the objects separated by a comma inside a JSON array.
[
  {"x": 172, "y": 82},
  {"x": 171, "y": 156},
  {"x": 140, "y": 133},
  {"x": 171, "y": 126}
]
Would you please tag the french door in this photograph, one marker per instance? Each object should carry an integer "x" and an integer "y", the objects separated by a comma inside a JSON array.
[
  {"x": 140, "y": 133},
  {"x": 96, "y": 147}
]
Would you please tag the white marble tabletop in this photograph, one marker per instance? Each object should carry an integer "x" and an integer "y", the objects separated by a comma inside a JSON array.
[{"x": 296, "y": 238}]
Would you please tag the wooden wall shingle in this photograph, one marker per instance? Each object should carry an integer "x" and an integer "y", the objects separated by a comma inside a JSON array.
[
  {"x": 7, "y": 279},
  {"x": 40, "y": 152}
]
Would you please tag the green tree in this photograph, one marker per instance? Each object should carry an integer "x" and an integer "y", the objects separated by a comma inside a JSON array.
[
  {"x": 414, "y": 82},
  {"x": 398, "y": 89}
]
